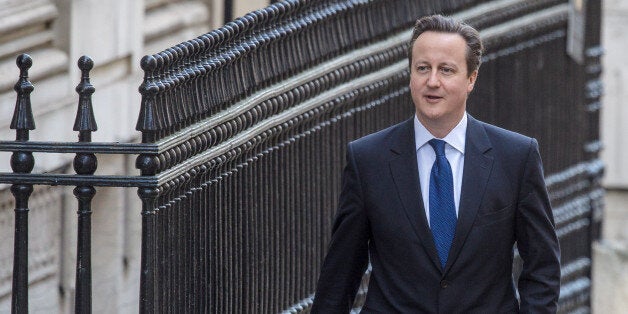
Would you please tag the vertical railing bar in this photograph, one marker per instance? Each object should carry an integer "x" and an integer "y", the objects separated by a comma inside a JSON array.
[
  {"x": 84, "y": 164},
  {"x": 148, "y": 262},
  {"x": 149, "y": 165},
  {"x": 21, "y": 162},
  {"x": 21, "y": 192},
  {"x": 592, "y": 13}
]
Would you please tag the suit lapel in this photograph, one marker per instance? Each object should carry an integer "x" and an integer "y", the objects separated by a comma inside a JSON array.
[
  {"x": 404, "y": 170},
  {"x": 477, "y": 169}
]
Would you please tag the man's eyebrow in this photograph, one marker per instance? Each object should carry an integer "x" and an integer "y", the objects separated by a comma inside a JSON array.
[{"x": 449, "y": 64}]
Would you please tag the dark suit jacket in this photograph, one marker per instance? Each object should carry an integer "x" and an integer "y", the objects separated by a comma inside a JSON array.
[{"x": 381, "y": 216}]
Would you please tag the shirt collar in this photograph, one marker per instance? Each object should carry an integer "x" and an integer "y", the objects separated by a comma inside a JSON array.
[{"x": 455, "y": 138}]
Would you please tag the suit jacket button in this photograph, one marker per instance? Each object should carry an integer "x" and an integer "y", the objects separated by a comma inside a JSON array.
[{"x": 444, "y": 284}]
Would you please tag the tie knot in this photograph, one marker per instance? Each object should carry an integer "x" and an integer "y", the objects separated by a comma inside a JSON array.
[{"x": 438, "y": 146}]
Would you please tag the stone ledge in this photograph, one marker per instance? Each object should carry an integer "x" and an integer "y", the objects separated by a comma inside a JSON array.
[
  {"x": 23, "y": 13},
  {"x": 173, "y": 17},
  {"x": 25, "y": 42},
  {"x": 46, "y": 62}
]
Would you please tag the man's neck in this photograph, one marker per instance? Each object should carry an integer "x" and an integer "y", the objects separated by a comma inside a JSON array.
[{"x": 439, "y": 128}]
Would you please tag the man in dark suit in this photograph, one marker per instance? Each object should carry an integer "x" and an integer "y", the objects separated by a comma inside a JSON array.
[{"x": 437, "y": 203}]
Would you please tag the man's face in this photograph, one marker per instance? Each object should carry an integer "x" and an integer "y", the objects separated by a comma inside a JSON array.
[{"x": 439, "y": 83}]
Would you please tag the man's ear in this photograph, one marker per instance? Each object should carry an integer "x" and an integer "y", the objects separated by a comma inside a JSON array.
[{"x": 472, "y": 78}]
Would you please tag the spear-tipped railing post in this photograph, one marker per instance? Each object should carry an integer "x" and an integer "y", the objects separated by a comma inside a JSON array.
[
  {"x": 148, "y": 165},
  {"x": 21, "y": 162},
  {"x": 84, "y": 164}
]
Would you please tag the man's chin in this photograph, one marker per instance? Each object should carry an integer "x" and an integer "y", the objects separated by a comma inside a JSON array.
[{"x": 431, "y": 116}]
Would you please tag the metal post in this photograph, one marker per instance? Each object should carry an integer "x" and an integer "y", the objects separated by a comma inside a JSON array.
[
  {"x": 84, "y": 164},
  {"x": 21, "y": 192},
  {"x": 148, "y": 164},
  {"x": 228, "y": 13},
  {"x": 21, "y": 162},
  {"x": 148, "y": 263}
]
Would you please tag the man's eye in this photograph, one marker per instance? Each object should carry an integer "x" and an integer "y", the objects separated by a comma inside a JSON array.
[
  {"x": 447, "y": 70},
  {"x": 422, "y": 68}
]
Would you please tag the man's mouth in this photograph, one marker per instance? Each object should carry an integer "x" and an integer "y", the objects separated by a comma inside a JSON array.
[{"x": 433, "y": 97}]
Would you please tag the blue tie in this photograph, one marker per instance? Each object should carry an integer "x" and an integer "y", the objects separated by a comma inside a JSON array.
[{"x": 442, "y": 207}]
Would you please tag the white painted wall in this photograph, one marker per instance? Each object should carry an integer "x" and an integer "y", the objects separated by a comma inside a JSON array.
[
  {"x": 610, "y": 255},
  {"x": 614, "y": 126}
]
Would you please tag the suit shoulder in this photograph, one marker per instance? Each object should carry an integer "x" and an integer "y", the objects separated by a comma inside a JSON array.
[{"x": 505, "y": 138}]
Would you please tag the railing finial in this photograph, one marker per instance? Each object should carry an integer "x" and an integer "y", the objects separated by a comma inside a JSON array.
[
  {"x": 85, "y": 121},
  {"x": 23, "y": 120},
  {"x": 147, "y": 120}
]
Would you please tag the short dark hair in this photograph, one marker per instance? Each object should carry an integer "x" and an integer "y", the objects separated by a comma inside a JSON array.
[{"x": 439, "y": 23}]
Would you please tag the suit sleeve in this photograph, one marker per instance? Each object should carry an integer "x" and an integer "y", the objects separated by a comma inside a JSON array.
[
  {"x": 539, "y": 282},
  {"x": 347, "y": 255}
]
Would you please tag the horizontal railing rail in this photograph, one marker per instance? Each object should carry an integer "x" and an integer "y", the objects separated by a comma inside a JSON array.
[
  {"x": 73, "y": 179},
  {"x": 80, "y": 147}
]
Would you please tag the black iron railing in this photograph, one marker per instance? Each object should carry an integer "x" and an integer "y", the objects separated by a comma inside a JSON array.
[{"x": 244, "y": 131}]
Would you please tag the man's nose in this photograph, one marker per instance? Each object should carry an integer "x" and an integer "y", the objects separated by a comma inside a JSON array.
[{"x": 433, "y": 79}]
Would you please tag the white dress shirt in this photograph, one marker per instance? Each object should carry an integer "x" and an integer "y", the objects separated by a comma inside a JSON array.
[{"x": 425, "y": 155}]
